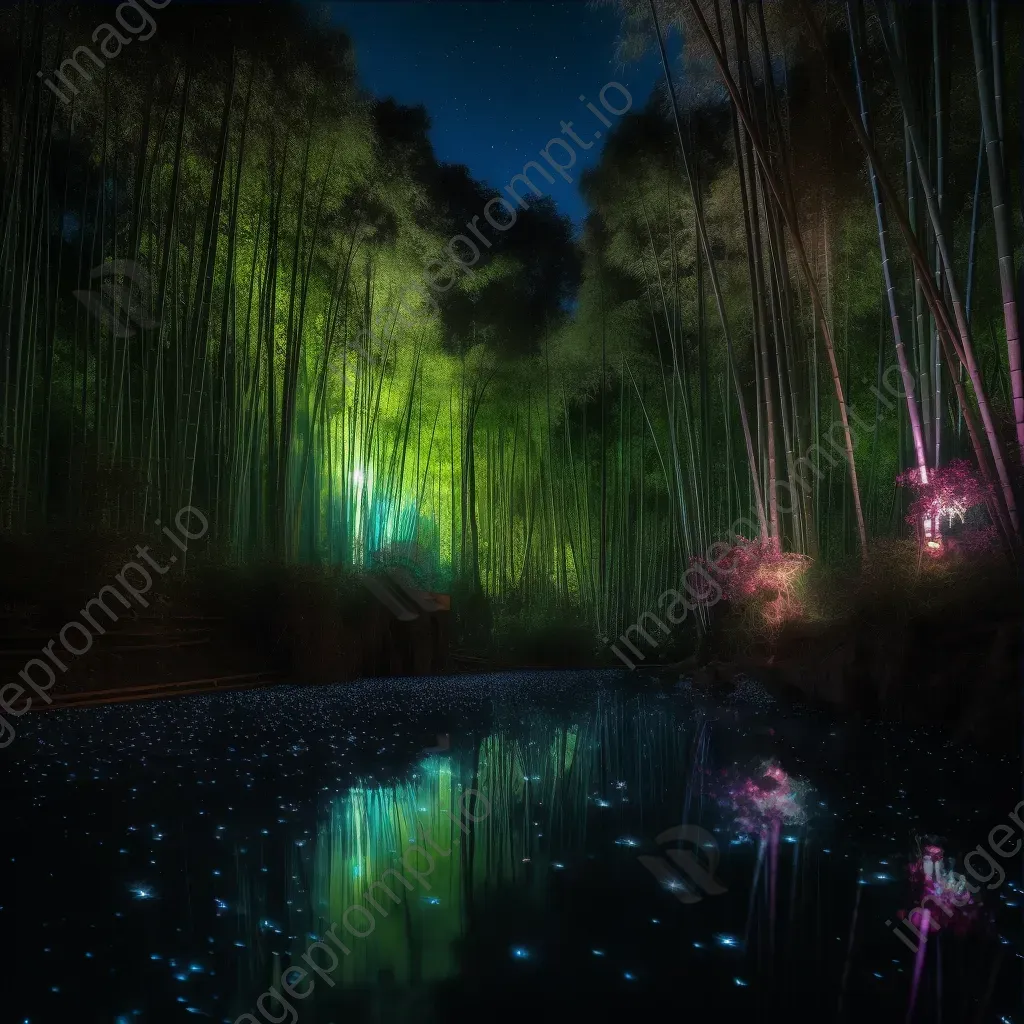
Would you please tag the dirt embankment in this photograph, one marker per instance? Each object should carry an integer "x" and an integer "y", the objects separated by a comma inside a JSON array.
[
  {"x": 117, "y": 634},
  {"x": 961, "y": 672}
]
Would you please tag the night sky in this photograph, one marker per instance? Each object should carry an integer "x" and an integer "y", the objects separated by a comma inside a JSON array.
[{"x": 497, "y": 78}]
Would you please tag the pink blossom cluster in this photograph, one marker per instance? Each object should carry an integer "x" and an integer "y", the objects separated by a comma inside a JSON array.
[
  {"x": 951, "y": 490},
  {"x": 758, "y": 568},
  {"x": 749, "y": 568}
]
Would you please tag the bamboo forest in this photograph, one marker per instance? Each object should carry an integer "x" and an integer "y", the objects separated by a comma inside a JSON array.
[
  {"x": 585, "y": 433},
  {"x": 234, "y": 280}
]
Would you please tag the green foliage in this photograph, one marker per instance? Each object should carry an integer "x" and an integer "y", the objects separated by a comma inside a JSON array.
[{"x": 553, "y": 425}]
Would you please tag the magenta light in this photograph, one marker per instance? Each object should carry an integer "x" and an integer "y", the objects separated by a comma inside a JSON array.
[
  {"x": 766, "y": 801},
  {"x": 944, "y": 499},
  {"x": 942, "y": 898}
]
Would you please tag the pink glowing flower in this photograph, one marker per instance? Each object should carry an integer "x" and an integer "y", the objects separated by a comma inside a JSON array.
[
  {"x": 951, "y": 490},
  {"x": 752, "y": 569}
]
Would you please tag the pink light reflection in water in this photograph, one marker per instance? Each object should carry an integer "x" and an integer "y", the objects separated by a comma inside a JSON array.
[
  {"x": 767, "y": 801},
  {"x": 941, "y": 894}
]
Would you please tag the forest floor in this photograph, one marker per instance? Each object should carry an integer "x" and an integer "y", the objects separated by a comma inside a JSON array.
[{"x": 895, "y": 639}]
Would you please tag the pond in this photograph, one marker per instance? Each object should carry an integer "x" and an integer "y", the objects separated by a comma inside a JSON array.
[{"x": 538, "y": 844}]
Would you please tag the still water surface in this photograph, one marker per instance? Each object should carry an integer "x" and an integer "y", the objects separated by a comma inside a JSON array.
[{"x": 175, "y": 860}]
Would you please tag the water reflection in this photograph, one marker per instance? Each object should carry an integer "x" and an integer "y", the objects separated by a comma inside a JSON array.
[
  {"x": 403, "y": 872},
  {"x": 588, "y": 849}
]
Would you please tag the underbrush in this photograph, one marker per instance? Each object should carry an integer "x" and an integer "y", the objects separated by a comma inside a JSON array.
[
  {"x": 542, "y": 634},
  {"x": 895, "y": 585},
  {"x": 48, "y": 575},
  {"x": 896, "y": 582},
  {"x": 762, "y": 590}
]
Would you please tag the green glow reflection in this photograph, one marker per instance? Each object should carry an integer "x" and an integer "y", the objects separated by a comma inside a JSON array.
[
  {"x": 361, "y": 847},
  {"x": 416, "y": 838}
]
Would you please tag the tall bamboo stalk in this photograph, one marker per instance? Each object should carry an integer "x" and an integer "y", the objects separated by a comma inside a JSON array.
[
  {"x": 1008, "y": 506},
  {"x": 854, "y": 16},
  {"x": 715, "y": 285},
  {"x": 1000, "y": 212},
  {"x": 784, "y": 199}
]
